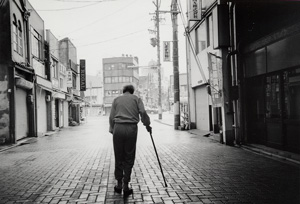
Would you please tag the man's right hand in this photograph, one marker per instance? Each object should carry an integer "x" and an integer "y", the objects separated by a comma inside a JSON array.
[{"x": 149, "y": 129}]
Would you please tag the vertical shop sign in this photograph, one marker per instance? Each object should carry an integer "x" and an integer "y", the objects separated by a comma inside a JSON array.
[
  {"x": 166, "y": 50},
  {"x": 215, "y": 76},
  {"x": 69, "y": 78},
  {"x": 195, "y": 10},
  {"x": 82, "y": 75}
]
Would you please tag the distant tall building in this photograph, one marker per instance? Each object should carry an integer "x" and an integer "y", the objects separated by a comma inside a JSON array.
[{"x": 117, "y": 72}]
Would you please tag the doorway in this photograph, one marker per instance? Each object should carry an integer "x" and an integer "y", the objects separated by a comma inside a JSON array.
[{"x": 273, "y": 111}]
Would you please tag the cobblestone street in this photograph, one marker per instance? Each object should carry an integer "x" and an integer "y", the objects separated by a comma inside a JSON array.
[{"x": 76, "y": 165}]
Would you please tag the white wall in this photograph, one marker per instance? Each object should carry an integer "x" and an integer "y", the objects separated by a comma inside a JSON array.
[
  {"x": 202, "y": 108},
  {"x": 21, "y": 114},
  {"x": 41, "y": 111},
  {"x": 66, "y": 113}
]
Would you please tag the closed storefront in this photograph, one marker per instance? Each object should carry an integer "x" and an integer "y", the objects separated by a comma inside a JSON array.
[
  {"x": 41, "y": 111},
  {"x": 273, "y": 95},
  {"x": 22, "y": 127},
  {"x": 65, "y": 114}
]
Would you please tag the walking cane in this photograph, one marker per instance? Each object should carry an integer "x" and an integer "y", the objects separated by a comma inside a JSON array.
[{"x": 158, "y": 160}]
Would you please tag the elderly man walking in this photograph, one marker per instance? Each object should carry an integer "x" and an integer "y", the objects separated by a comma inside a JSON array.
[{"x": 124, "y": 116}]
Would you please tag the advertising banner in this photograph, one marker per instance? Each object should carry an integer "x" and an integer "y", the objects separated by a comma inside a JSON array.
[
  {"x": 215, "y": 78},
  {"x": 82, "y": 75}
]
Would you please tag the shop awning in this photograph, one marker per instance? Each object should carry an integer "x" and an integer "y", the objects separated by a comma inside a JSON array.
[
  {"x": 44, "y": 84},
  {"x": 60, "y": 95}
]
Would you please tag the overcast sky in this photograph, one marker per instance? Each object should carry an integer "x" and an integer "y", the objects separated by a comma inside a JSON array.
[{"x": 110, "y": 28}]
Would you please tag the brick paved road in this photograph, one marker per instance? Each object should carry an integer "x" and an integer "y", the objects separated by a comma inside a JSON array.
[{"x": 76, "y": 166}]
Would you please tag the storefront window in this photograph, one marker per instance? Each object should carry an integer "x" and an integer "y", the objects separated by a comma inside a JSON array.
[
  {"x": 292, "y": 94},
  {"x": 273, "y": 109}
]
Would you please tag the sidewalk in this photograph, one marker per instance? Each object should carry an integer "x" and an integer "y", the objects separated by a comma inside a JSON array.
[
  {"x": 26, "y": 140},
  {"x": 168, "y": 119}
]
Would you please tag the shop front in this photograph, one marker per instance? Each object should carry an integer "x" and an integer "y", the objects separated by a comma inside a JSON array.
[{"x": 272, "y": 87}]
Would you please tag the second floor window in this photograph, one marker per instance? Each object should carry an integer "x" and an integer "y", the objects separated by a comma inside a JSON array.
[
  {"x": 36, "y": 44},
  {"x": 55, "y": 68},
  {"x": 201, "y": 38},
  {"x": 107, "y": 80},
  {"x": 74, "y": 81},
  {"x": 61, "y": 83}
]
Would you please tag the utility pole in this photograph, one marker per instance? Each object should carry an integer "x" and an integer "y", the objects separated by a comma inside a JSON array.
[
  {"x": 175, "y": 65},
  {"x": 158, "y": 59}
]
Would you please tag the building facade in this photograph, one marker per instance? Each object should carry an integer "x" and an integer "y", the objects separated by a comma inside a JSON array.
[
  {"x": 253, "y": 70},
  {"x": 43, "y": 86},
  {"x": 17, "y": 102},
  {"x": 117, "y": 72},
  {"x": 28, "y": 96},
  {"x": 59, "y": 103},
  {"x": 206, "y": 111},
  {"x": 68, "y": 59},
  {"x": 267, "y": 72}
]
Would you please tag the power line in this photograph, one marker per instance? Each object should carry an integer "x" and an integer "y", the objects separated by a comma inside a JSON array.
[
  {"x": 73, "y": 8},
  {"x": 101, "y": 18},
  {"x": 78, "y": 1},
  {"x": 106, "y": 40}
]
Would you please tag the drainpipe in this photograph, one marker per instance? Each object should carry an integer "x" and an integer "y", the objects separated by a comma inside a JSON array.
[
  {"x": 231, "y": 62},
  {"x": 12, "y": 105},
  {"x": 31, "y": 99}
]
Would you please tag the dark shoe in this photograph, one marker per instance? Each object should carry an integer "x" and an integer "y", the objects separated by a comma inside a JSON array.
[
  {"x": 127, "y": 192},
  {"x": 118, "y": 190}
]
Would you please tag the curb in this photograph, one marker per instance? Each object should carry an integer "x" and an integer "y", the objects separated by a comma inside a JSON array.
[
  {"x": 19, "y": 143},
  {"x": 269, "y": 154},
  {"x": 25, "y": 140}
]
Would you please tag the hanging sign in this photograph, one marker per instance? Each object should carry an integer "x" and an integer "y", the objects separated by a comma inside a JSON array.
[
  {"x": 194, "y": 10},
  {"x": 166, "y": 51},
  {"x": 215, "y": 76},
  {"x": 82, "y": 76}
]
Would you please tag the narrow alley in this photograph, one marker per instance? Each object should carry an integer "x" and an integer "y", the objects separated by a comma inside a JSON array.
[{"x": 76, "y": 165}]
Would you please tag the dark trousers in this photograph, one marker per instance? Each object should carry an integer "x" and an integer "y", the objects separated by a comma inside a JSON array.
[{"x": 124, "y": 138}]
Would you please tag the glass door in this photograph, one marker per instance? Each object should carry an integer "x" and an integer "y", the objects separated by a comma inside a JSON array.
[
  {"x": 291, "y": 112},
  {"x": 255, "y": 110},
  {"x": 273, "y": 93}
]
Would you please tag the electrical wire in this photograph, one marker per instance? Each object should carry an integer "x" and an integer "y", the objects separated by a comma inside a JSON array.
[
  {"x": 101, "y": 18},
  {"x": 78, "y": 1},
  {"x": 112, "y": 39},
  {"x": 67, "y": 9}
]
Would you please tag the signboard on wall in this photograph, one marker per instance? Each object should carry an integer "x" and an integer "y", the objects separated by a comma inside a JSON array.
[
  {"x": 194, "y": 12},
  {"x": 69, "y": 78},
  {"x": 216, "y": 82},
  {"x": 82, "y": 75}
]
